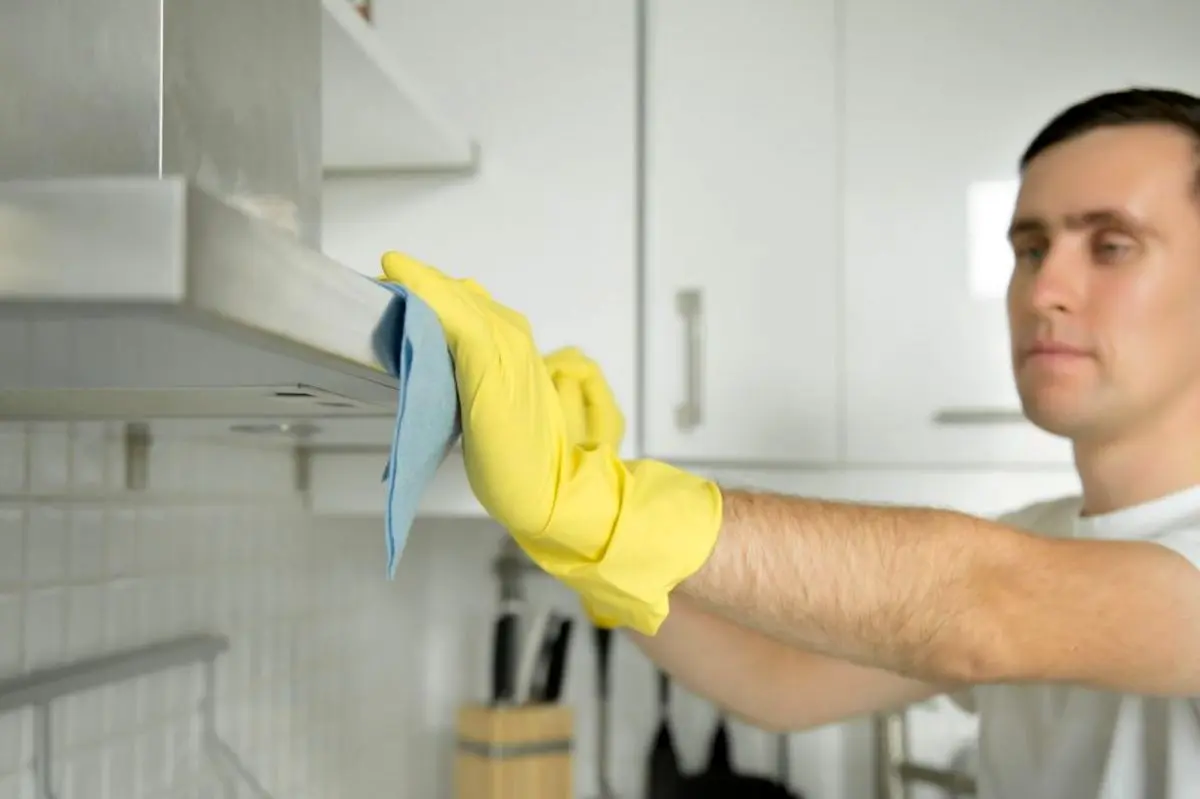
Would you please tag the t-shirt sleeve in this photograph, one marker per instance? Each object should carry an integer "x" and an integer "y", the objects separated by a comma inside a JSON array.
[{"x": 1186, "y": 542}]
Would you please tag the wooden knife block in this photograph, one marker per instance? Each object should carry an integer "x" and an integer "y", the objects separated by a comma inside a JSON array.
[{"x": 514, "y": 752}]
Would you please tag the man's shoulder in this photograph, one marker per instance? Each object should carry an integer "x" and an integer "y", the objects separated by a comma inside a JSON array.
[{"x": 1047, "y": 517}]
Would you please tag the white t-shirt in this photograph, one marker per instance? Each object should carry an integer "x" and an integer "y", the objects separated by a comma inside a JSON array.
[{"x": 1061, "y": 742}]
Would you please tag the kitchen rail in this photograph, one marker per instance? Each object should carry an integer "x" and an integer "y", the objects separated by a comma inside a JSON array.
[
  {"x": 40, "y": 688},
  {"x": 895, "y": 774}
]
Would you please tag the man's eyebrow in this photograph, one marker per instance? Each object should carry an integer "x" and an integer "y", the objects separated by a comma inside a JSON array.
[
  {"x": 1025, "y": 224},
  {"x": 1097, "y": 217},
  {"x": 1101, "y": 217}
]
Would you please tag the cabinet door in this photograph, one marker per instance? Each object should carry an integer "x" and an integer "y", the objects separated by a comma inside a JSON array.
[
  {"x": 941, "y": 99},
  {"x": 547, "y": 223},
  {"x": 740, "y": 213}
]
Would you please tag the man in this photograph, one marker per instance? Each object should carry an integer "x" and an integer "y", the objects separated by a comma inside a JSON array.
[{"x": 1072, "y": 626}]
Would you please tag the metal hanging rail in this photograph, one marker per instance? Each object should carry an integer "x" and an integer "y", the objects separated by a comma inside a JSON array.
[
  {"x": 42, "y": 687},
  {"x": 894, "y": 773}
]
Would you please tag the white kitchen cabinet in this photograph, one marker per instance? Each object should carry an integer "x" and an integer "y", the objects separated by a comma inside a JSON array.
[
  {"x": 741, "y": 249},
  {"x": 546, "y": 223},
  {"x": 940, "y": 101}
]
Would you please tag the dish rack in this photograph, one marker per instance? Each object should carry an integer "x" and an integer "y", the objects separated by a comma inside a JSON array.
[{"x": 40, "y": 688}]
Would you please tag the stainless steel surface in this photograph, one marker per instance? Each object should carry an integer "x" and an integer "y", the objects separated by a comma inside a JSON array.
[
  {"x": 949, "y": 782},
  {"x": 783, "y": 758},
  {"x": 891, "y": 751},
  {"x": 964, "y": 765},
  {"x": 510, "y": 567},
  {"x": 129, "y": 298},
  {"x": 137, "y": 456},
  {"x": 690, "y": 304},
  {"x": 960, "y": 417},
  {"x": 226, "y": 92},
  {"x": 43, "y": 765},
  {"x": 160, "y": 184}
]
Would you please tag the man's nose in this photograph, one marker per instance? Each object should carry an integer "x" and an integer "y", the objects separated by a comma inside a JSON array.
[{"x": 1058, "y": 283}]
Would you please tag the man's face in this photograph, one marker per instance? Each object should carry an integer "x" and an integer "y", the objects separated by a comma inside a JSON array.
[{"x": 1104, "y": 300}]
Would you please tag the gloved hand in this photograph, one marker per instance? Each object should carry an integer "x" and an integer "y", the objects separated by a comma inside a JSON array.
[
  {"x": 593, "y": 419},
  {"x": 623, "y": 535},
  {"x": 586, "y": 400}
]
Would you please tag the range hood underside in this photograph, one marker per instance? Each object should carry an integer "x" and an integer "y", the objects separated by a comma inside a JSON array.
[
  {"x": 148, "y": 298},
  {"x": 151, "y": 365}
]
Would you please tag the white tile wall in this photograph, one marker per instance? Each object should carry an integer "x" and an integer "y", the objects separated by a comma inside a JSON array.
[{"x": 317, "y": 693}]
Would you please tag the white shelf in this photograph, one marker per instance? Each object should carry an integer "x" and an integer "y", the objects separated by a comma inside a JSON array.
[{"x": 375, "y": 116}]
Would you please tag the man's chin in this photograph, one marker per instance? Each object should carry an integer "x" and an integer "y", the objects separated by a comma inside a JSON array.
[{"x": 1055, "y": 418}]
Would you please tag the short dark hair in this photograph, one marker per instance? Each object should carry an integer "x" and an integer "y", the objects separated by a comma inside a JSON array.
[{"x": 1134, "y": 106}]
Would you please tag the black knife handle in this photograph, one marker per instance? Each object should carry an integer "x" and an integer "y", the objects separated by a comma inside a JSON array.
[
  {"x": 504, "y": 659},
  {"x": 603, "y": 641},
  {"x": 556, "y": 670}
]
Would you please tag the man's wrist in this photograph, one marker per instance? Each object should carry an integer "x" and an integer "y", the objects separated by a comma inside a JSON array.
[{"x": 665, "y": 531}]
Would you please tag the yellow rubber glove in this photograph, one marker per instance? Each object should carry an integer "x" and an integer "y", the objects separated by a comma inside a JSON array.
[
  {"x": 623, "y": 535},
  {"x": 589, "y": 408},
  {"x": 593, "y": 419}
]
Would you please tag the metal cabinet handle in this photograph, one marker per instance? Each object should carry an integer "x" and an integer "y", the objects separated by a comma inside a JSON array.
[
  {"x": 690, "y": 305},
  {"x": 964, "y": 417}
]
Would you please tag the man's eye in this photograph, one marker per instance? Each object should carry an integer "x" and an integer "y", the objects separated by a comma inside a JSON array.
[
  {"x": 1029, "y": 254},
  {"x": 1112, "y": 248}
]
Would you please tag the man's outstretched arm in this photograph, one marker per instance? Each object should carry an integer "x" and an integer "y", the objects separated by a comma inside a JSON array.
[
  {"x": 933, "y": 595},
  {"x": 945, "y": 597}
]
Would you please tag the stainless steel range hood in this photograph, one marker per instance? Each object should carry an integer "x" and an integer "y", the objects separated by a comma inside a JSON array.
[
  {"x": 148, "y": 297},
  {"x": 160, "y": 183}
]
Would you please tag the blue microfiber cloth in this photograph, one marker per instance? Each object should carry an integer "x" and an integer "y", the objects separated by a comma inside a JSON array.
[{"x": 411, "y": 345}]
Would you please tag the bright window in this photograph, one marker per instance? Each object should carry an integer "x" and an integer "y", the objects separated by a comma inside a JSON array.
[{"x": 989, "y": 212}]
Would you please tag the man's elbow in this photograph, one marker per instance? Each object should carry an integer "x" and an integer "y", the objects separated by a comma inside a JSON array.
[
  {"x": 974, "y": 663},
  {"x": 986, "y": 638},
  {"x": 979, "y": 649}
]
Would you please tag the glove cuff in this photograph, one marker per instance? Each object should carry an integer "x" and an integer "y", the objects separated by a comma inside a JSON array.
[
  {"x": 598, "y": 616},
  {"x": 665, "y": 530}
]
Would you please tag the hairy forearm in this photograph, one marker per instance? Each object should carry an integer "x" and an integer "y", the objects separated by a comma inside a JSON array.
[
  {"x": 765, "y": 682},
  {"x": 903, "y": 589}
]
